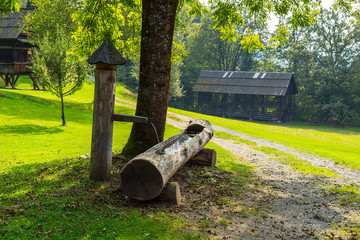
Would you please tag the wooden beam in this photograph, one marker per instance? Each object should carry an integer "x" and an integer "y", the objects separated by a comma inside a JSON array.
[
  {"x": 170, "y": 193},
  {"x": 16, "y": 79},
  {"x": 102, "y": 131},
  {"x": 128, "y": 118},
  {"x": 13, "y": 80},
  {"x": 105, "y": 58},
  {"x": 33, "y": 79},
  {"x": 206, "y": 157},
  {"x": 7, "y": 80}
]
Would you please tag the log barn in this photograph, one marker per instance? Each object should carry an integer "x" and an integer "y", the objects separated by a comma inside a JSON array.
[
  {"x": 15, "y": 48},
  {"x": 264, "y": 96}
]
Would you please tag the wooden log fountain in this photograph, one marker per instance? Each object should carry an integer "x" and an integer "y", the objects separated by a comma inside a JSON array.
[{"x": 144, "y": 177}]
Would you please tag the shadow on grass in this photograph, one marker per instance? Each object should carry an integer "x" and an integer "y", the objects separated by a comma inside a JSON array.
[
  {"x": 57, "y": 200},
  {"x": 30, "y": 129}
]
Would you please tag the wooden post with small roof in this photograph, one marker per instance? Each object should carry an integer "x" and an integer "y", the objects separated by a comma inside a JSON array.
[{"x": 105, "y": 58}]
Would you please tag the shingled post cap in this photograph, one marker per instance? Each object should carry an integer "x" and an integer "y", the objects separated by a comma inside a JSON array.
[{"x": 107, "y": 54}]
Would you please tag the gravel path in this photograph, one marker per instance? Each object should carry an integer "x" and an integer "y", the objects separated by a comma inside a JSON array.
[
  {"x": 297, "y": 206},
  {"x": 349, "y": 175}
]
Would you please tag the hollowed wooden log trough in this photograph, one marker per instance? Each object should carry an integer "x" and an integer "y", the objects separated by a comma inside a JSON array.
[{"x": 144, "y": 177}]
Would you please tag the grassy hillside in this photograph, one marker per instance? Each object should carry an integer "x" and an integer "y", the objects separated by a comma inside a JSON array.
[
  {"x": 340, "y": 144},
  {"x": 30, "y": 126}
]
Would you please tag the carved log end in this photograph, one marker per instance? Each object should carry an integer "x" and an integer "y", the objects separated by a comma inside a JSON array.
[{"x": 141, "y": 180}]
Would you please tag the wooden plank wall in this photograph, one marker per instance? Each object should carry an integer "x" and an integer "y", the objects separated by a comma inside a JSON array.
[{"x": 264, "y": 108}]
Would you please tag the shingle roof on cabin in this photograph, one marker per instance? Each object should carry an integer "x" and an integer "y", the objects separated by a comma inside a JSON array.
[
  {"x": 252, "y": 83},
  {"x": 13, "y": 24}
]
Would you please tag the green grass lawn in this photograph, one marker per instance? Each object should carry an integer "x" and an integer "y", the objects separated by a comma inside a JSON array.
[
  {"x": 340, "y": 144},
  {"x": 32, "y": 133},
  {"x": 45, "y": 191},
  {"x": 44, "y": 187}
]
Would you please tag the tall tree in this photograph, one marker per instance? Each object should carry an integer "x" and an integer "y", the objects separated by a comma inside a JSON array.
[
  {"x": 158, "y": 23},
  {"x": 325, "y": 59}
]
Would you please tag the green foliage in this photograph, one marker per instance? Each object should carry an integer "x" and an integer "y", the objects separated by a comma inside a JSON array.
[
  {"x": 251, "y": 42},
  {"x": 9, "y": 5},
  {"x": 325, "y": 61},
  {"x": 49, "y": 15},
  {"x": 118, "y": 20},
  {"x": 280, "y": 38},
  {"x": 55, "y": 70},
  {"x": 229, "y": 14}
]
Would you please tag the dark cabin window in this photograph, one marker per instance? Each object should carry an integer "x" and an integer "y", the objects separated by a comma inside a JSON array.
[{"x": 6, "y": 56}]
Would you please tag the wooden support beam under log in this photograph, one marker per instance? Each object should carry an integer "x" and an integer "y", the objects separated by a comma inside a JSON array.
[
  {"x": 170, "y": 193},
  {"x": 144, "y": 177},
  {"x": 206, "y": 157}
]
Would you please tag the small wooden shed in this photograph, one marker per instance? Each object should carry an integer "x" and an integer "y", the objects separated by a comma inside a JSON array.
[
  {"x": 263, "y": 96},
  {"x": 14, "y": 47}
]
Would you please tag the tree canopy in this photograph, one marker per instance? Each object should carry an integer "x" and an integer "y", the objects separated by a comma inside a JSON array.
[{"x": 325, "y": 59}]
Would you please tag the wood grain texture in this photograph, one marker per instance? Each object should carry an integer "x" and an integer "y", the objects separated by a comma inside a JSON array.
[
  {"x": 206, "y": 157},
  {"x": 102, "y": 131},
  {"x": 144, "y": 177}
]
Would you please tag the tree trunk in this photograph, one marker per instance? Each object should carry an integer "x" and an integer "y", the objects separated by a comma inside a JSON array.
[
  {"x": 62, "y": 110},
  {"x": 158, "y": 20},
  {"x": 33, "y": 79}
]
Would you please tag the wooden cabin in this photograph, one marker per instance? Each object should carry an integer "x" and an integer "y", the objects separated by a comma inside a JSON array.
[
  {"x": 15, "y": 48},
  {"x": 263, "y": 96}
]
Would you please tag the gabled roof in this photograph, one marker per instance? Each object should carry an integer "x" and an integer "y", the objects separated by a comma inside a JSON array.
[
  {"x": 13, "y": 24},
  {"x": 108, "y": 54},
  {"x": 252, "y": 83}
]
